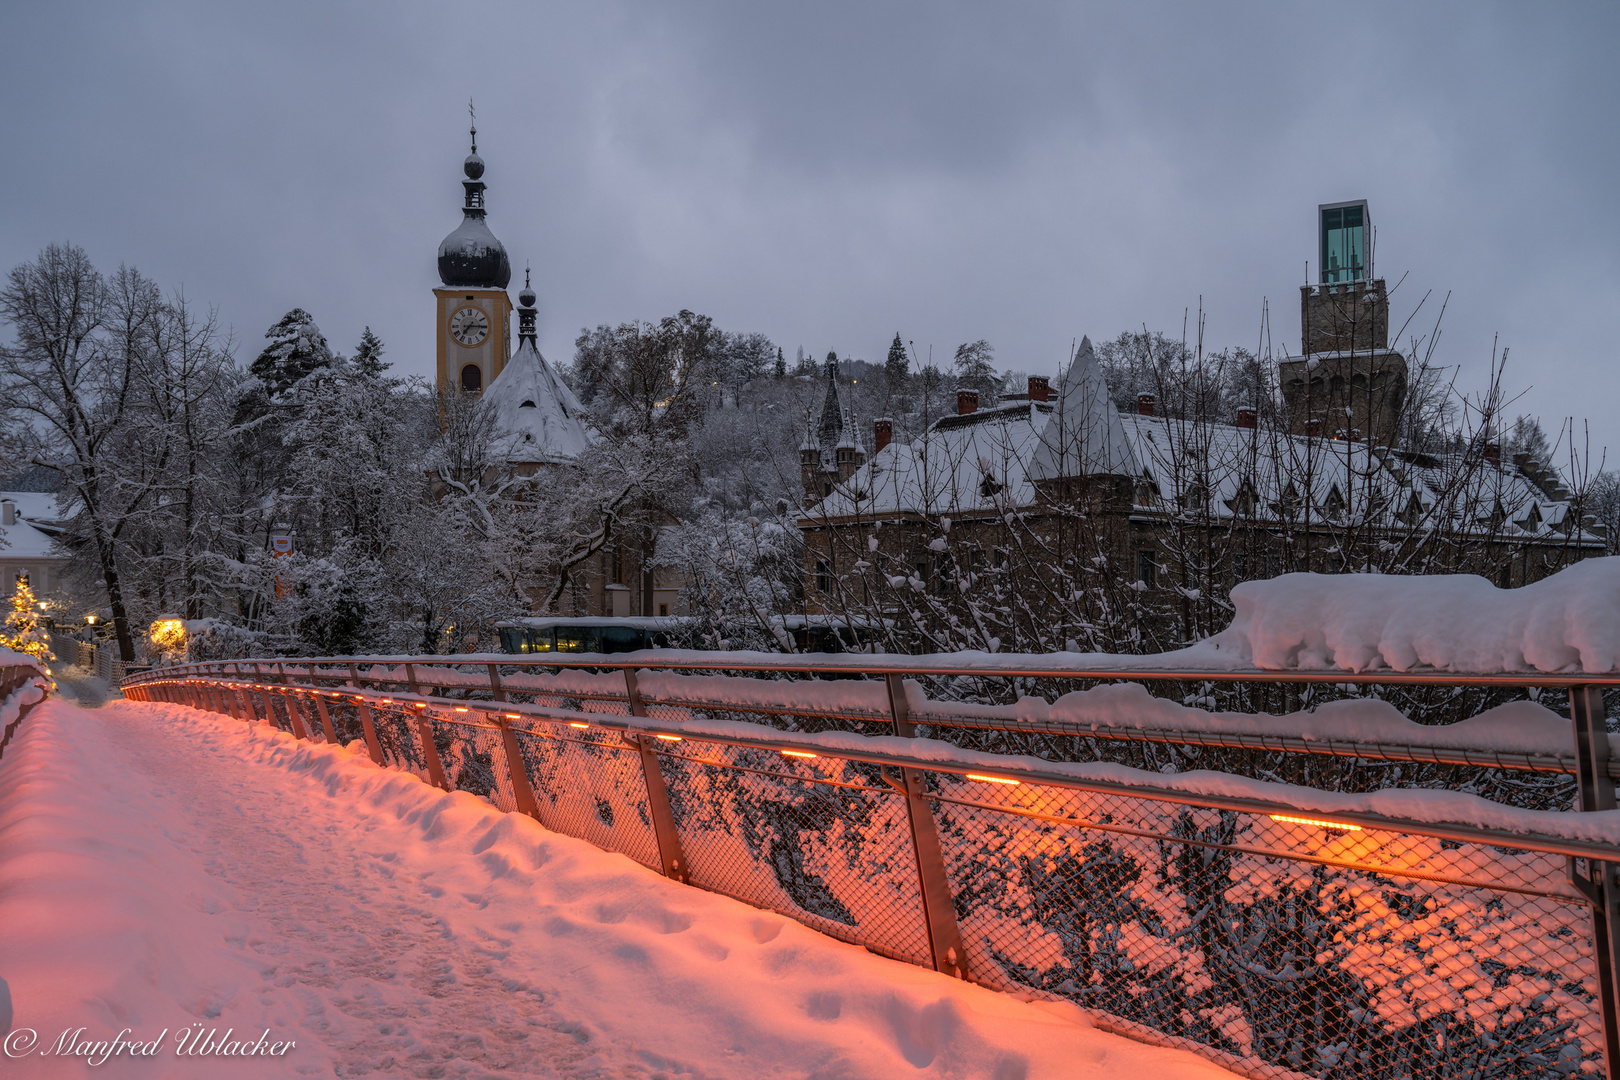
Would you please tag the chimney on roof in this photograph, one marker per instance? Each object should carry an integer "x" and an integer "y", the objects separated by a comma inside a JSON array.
[
  {"x": 1313, "y": 428},
  {"x": 882, "y": 432},
  {"x": 1493, "y": 453},
  {"x": 8, "y": 513},
  {"x": 1144, "y": 404},
  {"x": 1246, "y": 418},
  {"x": 1040, "y": 389},
  {"x": 967, "y": 401}
]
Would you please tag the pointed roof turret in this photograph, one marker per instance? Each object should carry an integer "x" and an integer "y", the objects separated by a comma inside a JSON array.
[
  {"x": 471, "y": 257},
  {"x": 539, "y": 418},
  {"x": 832, "y": 412},
  {"x": 1084, "y": 436}
]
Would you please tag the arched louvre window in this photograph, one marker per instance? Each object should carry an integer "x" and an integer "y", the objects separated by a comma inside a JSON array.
[{"x": 472, "y": 379}]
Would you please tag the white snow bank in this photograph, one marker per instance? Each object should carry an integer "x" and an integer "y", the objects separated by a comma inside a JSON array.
[
  {"x": 1569, "y": 622},
  {"x": 163, "y": 867},
  {"x": 1518, "y": 727}
]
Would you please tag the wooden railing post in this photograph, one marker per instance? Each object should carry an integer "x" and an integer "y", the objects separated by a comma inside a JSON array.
[
  {"x": 495, "y": 684},
  {"x": 1602, "y": 880},
  {"x": 939, "y": 908},
  {"x": 410, "y": 679},
  {"x": 663, "y": 818}
]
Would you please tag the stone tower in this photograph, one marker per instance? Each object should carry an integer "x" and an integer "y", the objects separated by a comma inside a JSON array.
[{"x": 1347, "y": 379}]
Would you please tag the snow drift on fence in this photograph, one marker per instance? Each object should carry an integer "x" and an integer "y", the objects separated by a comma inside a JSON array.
[{"x": 1364, "y": 622}]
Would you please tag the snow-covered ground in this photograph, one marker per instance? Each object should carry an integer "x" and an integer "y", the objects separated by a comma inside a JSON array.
[{"x": 162, "y": 868}]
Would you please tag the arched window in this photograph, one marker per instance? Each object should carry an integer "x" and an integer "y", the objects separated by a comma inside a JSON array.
[{"x": 472, "y": 379}]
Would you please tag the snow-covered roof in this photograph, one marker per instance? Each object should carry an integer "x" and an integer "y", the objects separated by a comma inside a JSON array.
[
  {"x": 31, "y": 536},
  {"x": 538, "y": 416},
  {"x": 1084, "y": 436},
  {"x": 961, "y": 463},
  {"x": 991, "y": 460}
]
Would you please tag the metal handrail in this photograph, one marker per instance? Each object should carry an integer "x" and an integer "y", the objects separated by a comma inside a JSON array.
[{"x": 896, "y": 666}]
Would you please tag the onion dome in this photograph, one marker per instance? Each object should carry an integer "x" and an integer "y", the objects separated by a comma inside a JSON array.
[{"x": 470, "y": 257}]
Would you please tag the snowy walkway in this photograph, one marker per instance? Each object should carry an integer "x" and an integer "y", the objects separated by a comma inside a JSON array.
[{"x": 161, "y": 867}]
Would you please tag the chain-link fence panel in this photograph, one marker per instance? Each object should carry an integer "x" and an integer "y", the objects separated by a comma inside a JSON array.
[
  {"x": 823, "y": 841},
  {"x": 1292, "y": 945},
  {"x": 396, "y": 735},
  {"x": 474, "y": 760},
  {"x": 588, "y": 783}
]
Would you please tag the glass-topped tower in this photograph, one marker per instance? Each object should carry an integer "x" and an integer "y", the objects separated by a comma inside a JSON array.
[{"x": 1345, "y": 230}]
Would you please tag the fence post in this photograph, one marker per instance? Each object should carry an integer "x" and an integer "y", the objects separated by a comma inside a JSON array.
[
  {"x": 939, "y": 908},
  {"x": 522, "y": 790},
  {"x": 1602, "y": 884},
  {"x": 663, "y": 818},
  {"x": 326, "y": 719},
  {"x": 430, "y": 751},
  {"x": 495, "y": 684},
  {"x": 370, "y": 731},
  {"x": 410, "y": 679}
]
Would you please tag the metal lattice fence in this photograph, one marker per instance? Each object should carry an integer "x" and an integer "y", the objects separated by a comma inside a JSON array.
[{"x": 1276, "y": 941}]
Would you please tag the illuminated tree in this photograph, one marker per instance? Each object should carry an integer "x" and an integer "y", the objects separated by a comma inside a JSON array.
[{"x": 22, "y": 632}]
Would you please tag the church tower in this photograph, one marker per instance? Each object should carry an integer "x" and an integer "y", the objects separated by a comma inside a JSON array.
[{"x": 472, "y": 311}]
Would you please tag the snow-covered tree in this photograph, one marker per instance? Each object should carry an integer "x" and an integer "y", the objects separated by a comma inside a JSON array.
[
  {"x": 22, "y": 632},
  {"x": 897, "y": 365},
  {"x": 296, "y": 348},
  {"x": 367, "y": 359},
  {"x": 975, "y": 366}
]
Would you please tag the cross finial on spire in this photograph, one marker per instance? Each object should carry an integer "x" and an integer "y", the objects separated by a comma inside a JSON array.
[
  {"x": 525, "y": 273},
  {"x": 472, "y": 121}
]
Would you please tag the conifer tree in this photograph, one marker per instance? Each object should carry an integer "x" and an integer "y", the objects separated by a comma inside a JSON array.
[
  {"x": 781, "y": 364},
  {"x": 368, "y": 361},
  {"x": 22, "y": 631},
  {"x": 896, "y": 365},
  {"x": 297, "y": 347}
]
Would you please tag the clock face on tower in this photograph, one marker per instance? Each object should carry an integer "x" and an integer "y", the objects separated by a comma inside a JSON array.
[{"x": 469, "y": 326}]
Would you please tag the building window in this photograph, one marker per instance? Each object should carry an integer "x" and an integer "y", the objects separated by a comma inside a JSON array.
[
  {"x": 663, "y": 610},
  {"x": 1344, "y": 236},
  {"x": 472, "y": 379},
  {"x": 618, "y": 564},
  {"x": 823, "y": 577},
  {"x": 1145, "y": 569}
]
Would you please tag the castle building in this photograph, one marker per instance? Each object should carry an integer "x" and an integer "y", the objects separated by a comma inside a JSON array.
[{"x": 1179, "y": 507}]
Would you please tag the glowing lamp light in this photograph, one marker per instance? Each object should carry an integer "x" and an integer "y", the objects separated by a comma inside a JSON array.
[
  {"x": 796, "y": 753},
  {"x": 1318, "y": 822},
  {"x": 461, "y": 708},
  {"x": 512, "y": 716},
  {"x": 419, "y": 705},
  {"x": 168, "y": 633},
  {"x": 993, "y": 779},
  {"x": 668, "y": 738},
  {"x": 584, "y": 727}
]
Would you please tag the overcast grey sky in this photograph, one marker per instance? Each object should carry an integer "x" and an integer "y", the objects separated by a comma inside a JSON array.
[{"x": 831, "y": 173}]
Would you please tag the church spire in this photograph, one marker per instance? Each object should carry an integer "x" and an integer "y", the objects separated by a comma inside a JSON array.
[
  {"x": 526, "y": 312},
  {"x": 470, "y": 256}
]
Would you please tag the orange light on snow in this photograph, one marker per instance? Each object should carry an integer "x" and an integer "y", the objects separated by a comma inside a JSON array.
[
  {"x": 993, "y": 779},
  {"x": 1318, "y": 822},
  {"x": 796, "y": 753}
]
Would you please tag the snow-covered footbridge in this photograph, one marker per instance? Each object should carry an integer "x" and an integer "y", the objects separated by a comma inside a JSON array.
[{"x": 459, "y": 865}]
